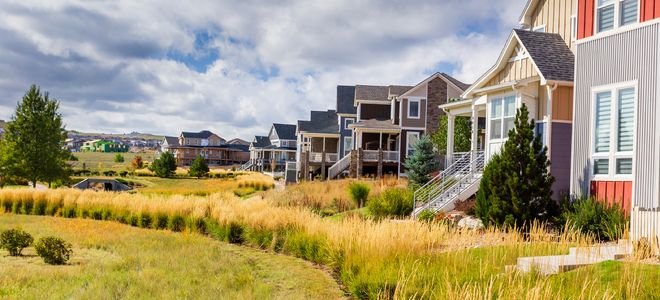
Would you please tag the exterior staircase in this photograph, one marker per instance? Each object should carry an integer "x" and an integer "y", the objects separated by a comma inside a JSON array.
[
  {"x": 457, "y": 182},
  {"x": 246, "y": 166},
  {"x": 339, "y": 167}
]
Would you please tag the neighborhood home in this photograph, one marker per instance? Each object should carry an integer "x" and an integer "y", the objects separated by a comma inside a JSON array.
[
  {"x": 317, "y": 145},
  {"x": 535, "y": 68},
  {"x": 214, "y": 149},
  {"x": 271, "y": 153},
  {"x": 103, "y": 146},
  {"x": 388, "y": 121},
  {"x": 616, "y": 141}
]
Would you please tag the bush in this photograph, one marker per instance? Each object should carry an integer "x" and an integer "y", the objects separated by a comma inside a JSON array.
[
  {"x": 165, "y": 166},
  {"x": 395, "y": 202},
  {"x": 109, "y": 173},
  {"x": 359, "y": 193},
  {"x": 53, "y": 250},
  {"x": 590, "y": 216},
  {"x": 123, "y": 173},
  {"x": 176, "y": 223},
  {"x": 199, "y": 168},
  {"x": 119, "y": 158},
  {"x": 15, "y": 240},
  {"x": 137, "y": 162},
  {"x": 426, "y": 216}
]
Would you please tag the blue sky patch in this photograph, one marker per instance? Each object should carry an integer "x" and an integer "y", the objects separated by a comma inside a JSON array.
[{"x": 203, "y": 56}]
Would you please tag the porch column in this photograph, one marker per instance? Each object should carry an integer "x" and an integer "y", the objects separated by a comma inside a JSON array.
[
  {"x": 474, "y": 147},
  {"x": 450, "y": 139},
  {"x": 379, "y": 169},
  {"x": 323, "y": 161}
]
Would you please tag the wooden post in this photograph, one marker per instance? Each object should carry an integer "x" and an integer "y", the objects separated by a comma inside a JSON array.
[
  {"x": 380, "y": 163},
  {"x": 323, "y": 161},
  {"x": 360, "y": 155}
]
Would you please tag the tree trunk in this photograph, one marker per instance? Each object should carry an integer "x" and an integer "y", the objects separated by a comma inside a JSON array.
[{"x": 34, "y": 183}]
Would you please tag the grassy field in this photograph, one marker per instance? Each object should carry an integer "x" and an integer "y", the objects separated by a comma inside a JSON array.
[
  {"x": 99, "y": 161},
  {"x": 387, "y": 259},
  {"x": 117, "y": 261}
]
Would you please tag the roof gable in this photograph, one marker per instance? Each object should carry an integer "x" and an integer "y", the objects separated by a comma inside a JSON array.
[
  {"x": 550, "y": 57},
  {"x": 526, "y": 15},
  {"x": 260, "y": 142},
  {"x": 285, "y": 131},
  {"x": 444, "y": 76}
]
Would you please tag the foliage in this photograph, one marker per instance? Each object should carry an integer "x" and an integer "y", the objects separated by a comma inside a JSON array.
[
  {"x": 359, "y": 193},
  {"x": 199, "y": 168},
  {"x": 422, "y": 162},
  {"x": 119, "y": 158},
  {"x": 53, "y": 250},
  {"x": 14, "y": 241},
  {"x": 164, "y": 166},
  {"x": 462, "y": 135},
  {"x": 33, "y": 143},
  {"x": 426, "y": 215},
  {"x": 516, "y": 187},
  {"x": 137, "y": 162},
  {"x": 395, "y": 202},
  {"x": 590, "y": 216}
]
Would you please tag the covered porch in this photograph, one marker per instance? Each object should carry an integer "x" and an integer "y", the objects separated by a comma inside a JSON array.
[
  {"x": 373, "y": 137},
  {"x": 475, "y": 110}
]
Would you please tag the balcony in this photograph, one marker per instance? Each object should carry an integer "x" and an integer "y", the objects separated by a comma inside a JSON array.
[
  {"x": 388, "y": 156},
  {"x": 318, "y": 157}
]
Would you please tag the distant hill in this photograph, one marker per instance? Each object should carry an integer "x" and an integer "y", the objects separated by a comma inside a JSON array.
[{"x": 132, "y": 135}]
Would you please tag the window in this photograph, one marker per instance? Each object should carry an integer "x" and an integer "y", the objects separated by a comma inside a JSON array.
[
  {"x": 348, "y": 122},
  {"x": 413, "y": 109},
  {"x": 613, "y": 140},
  {"x": 502, "y": 117},
  {"x": 348, "y": 144},
  {"x": 611, "y": 14},
  {"x": 411, "y": 140}
]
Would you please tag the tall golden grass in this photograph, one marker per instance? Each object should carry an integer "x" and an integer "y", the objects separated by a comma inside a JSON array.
[{"x": 389, "y": 259}]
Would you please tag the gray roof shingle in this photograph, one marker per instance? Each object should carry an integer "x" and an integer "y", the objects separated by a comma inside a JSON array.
[
  {"x": 204, "y": 134},
  {"x": 172, "y": 140},
  {"x": 396, "y": 90},
  {"x": 285, "y": 131},
  {"x": 345, "y": 98},
  {"x": 320, "y": 122},
  {"x": 372, "y": 92},
  {"x": 458, "y": 83},
  {"x": 260, "y": 141},
  {"x": 550, "y": 54}
]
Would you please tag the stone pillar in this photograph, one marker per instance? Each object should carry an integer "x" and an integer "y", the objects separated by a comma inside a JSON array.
[
  {"x": 323, "y": 165},
  {"x": 379, "y": 172},
  {"x": 360, "y": 155},
  {"x": 352, "y": 171}
]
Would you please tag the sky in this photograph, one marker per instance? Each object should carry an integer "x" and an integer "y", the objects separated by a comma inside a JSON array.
[{"x": 233, "y": 67}]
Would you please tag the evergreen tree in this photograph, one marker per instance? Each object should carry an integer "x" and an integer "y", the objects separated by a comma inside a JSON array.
[
  {"x": 516, "y": 187},
  {"x": 165, "y": 166},
  {"x": 462, "y": 135},
  {"x": 199, "y": 168},
  {"x": 422, "y": 162},
  {"x": 119, "y": 158},
  {"x": 33, "y": 143}
]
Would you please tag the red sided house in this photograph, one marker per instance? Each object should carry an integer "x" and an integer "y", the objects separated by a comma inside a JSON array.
[{"x": 616, "y": 129}]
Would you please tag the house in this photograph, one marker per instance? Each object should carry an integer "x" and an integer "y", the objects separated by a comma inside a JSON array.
[
  {"x": 346, "y": 114},
  {"x": 271, "y": 153},
  {"x": 317, "y": 146},
  {"x": 388, "y": 122},
  {"x": 103, "y": 146},
  {"x": 615, "y": 149},
  {"x": 535, "y": 68},
  {"x": 189, "y": 145},
  {"x": 238, "y": 141}
]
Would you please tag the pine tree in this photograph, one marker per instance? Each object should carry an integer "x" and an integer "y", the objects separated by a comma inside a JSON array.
[
  {"x": 33, "y": 143},
  {"x": 422, "y": 162},
  {"x": 164, "y": 166},
  {"x": 198, "y": 168},
  {"x": 516, "y": 187}
]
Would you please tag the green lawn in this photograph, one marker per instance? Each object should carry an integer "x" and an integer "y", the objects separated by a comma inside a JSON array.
[
  {"x": 118, "y": 261},
  {"x": 99, "y": 161}
]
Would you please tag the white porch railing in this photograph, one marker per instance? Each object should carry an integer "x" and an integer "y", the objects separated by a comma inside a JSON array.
[
  {"x": 388, "y": 156},
  {"x": 455, "y": 157},
  {"x": 391, "y": 156},
  {"x": 318, "y": 157}
]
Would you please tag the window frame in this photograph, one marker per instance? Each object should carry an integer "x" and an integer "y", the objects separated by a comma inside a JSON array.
[
  {"x": 409, "y": 146},
  {"x": 617, "y": 15},
  {"x": 347, "y": 149},
  {"x": 346, "y": 123},
  {"x": 502, "y": 117},
  {"x": 419, "y": 108},
  {"x": 613, "y": 154}
]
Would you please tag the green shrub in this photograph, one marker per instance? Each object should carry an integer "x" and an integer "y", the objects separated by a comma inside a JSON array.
[
  {"x": 53, "y": 250},
  {"x": 176, "y": 223},
  {"x": 39, "y": 208},
  {"x": 590, "y": 216},
  {"x": 395, "y": 202},
  {"x": 426, "y": 216},
  {"x": 235, "y": 234},
  {"x": 15, "y": 240},
  {"x": 359, "y": 193},
  {"x": 161, "y": 221},
  {"x": 119, "y": 158},
  {"x": 144, "y": 220}
]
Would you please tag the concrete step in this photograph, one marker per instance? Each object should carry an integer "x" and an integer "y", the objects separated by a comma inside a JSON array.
[
  {"x": 608, "y": 252},
  {"x": 577, "y": 257}
]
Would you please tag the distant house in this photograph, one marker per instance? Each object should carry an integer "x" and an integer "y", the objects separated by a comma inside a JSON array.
[
  {"x": 214, "y": 149},
  {"x": 272, "y": 152},
  {"x": 238, "y": 141},
  {"x": 317, "y": 144},
  {"x": 103, "y": 146}
]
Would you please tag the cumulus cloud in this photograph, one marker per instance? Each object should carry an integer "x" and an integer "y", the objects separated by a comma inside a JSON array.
[{"x": 233, "y": 67}]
